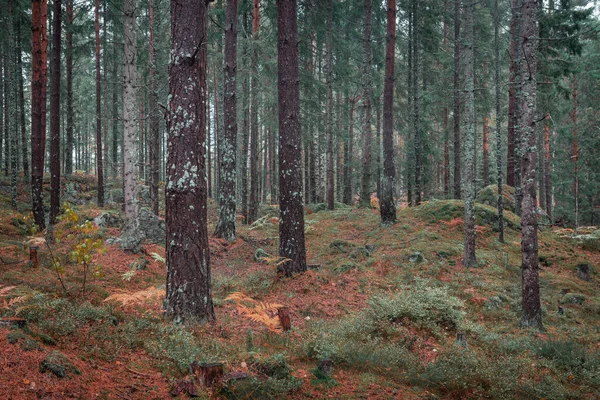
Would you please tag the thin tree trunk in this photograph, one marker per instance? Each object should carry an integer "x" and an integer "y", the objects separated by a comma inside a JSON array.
[
  {"x": 547, "y": 164},
  {"x": 387, "y": 205},
  {"x": 416, "y": 104},
  {"x": 498, "y": 121},
  {"x": 456, "y": 98},
  {"x": 445, "y": 113},
  {"x": 24, "y": 148},
  {"x": 245, "y": 135},
  {"x": 469, "y": 258},
  {"x": 68, "y": 154},
  {"x": 38, "y": 135},
  {"x": 226, "y": 225},
  {"x": 55, "y": 114},
  {"x": 532, "y": 312},
  {"x": 189, "y": 297},
  {"x": 518, "y": 62},
  {"x": 154, "y": 139},
  {"x": 575, "y": 154},
  {"x": 330, "y": 192},
  {"x": 2, "y": 102},
  {"x": 348, "y": 154},
  {"x": 512, "y": 116},
  {"x": 291, "y": 226},
  {"x": 486, "y": 151},
  {"x": 218, "y": 138},
  {"x": 115, "y": 111},
  {"x": 11, "y": 109},
  {"x": 130, "y": 235},
  {"x": 253, "y": 200},
  {"x": 365, "y": 197},
  {"x": 99, "y": 153}
]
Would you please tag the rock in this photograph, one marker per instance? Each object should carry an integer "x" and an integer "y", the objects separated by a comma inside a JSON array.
[
  {"x": 153, "y": 228},
  {"x": 417, "y": 257},
  {"x": 109, "y": 220},
  {"x": 57, "y": 363},
  {"x": 573, "y": 298},
  {"x": 113, "y": 240},
  {"x": 583, "y": 272},
  {"x": 489, "y": 196},
  {"x": 144, "y": 193}
]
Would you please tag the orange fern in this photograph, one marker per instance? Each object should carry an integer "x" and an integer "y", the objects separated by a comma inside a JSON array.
[{"x": 257, "y": 311}]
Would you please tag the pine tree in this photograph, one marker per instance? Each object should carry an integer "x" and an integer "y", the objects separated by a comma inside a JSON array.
[{"x": 189, "y": 297}]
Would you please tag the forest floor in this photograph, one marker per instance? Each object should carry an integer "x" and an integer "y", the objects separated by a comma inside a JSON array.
[{"x": 385, "y": 304}]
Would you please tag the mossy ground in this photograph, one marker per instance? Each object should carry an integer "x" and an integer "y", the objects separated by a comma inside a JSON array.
[{"x": 387, "y": 319}]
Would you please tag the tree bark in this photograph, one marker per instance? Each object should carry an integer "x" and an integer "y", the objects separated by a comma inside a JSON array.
[
  {"x": 130, "y": 236},
  {"x": 575, "y": 156},
  {"x": 99, "y": 152},
  {"x": 469, "y": 258},
  {"x": 38, "y": 134},
  {"x": 189, "y": 297},
  {"x": 547, "y": 164},
  {"x": 416, "y": 64},
  {"x": 55, "y": 114},
  {"x": 245, "y": 134},
  {"x": 456, "y": 99},
  {"x": 387, "y": 205},
  {"x": 330, "y": 192},
  {"x": 291, "y": 226},
  {"x": 68, "y": 154},
  {"x": 253, "y": 198},
  {"x": 226, "y": 225},
  {"x": 498, "y": 121},
  {"x": 22, "y": 125},
  {"x": 154, "y": 136},
  {"x": 486, "y": 151},
  {"x": 365, "y": 191},
  {"x": 512, "y": 116},
  {"x": 532, "y": 312}
]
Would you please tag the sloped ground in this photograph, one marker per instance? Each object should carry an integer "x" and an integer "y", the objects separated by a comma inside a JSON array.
[{"x": 384, "y": 304}]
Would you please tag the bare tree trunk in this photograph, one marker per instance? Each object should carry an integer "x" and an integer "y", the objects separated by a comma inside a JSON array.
[
  {"x": 575, "y": 154},
  {"x": 469, "y": 258},
  {"x": 130, "y": 236},
  {"x": 547, "y": 162},
  {"x": 245, "y": 135},
  {"x": 387, "y": 205},
  {"x": 11, "y": 106},
  {"x": 226, "y": 225},
  {"x": 416, "y": 105},
  {"x": 456, "y": 106},
  {"x": 253, "y": 200},
  {"x": 498, "y": 121},
  {"x": 99, "y": 153},
  {"x": 3, "y": 104},
  {"x": 115, "y": 124},
  {"x": 486, "y": 151},
  {"x": 38, "y": 134},
  {"x": 518, "y": 61},
  {"x": 348, "y": 154},
  {"x": 189, "y": 297},
  {"x": 532, "y": 312},
  {"x": 69, "y": 75},
  {"x": 512, "y": 116},
  {"x": 25, "y": 151},
  {"x": 154, "y": 136},
  {"x": 291, "y": 227},
  {"x": 329, "y": 106},
  {"x": 365, "y": 191},
  {"x": 55, "y": 114}
]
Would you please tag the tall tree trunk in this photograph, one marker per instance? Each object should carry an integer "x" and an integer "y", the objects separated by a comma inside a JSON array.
[
  {"x": 38, "y": 134},
  {"x": 55, "y": 114},
  {"x": 44, "y": 106},
  {"x": 291, "y": 227},
  {"x": 367, "y": 78},
  {"x": 226, "y": 225},
  {"x": 130, "y": 236},
  {"x": 154, "y": 138},
  {"x": 547, "y": 164},
  {"x": 218, "y": 137},
  {"x": 68, "y": 154},
  {"x": 115, "y": 111},
  {"x": 387, "y": 205},
  {"x": 532, "y": 312},
  {"x": 445, "y": 113},
  {"x": 11, "y": 109},
  {"x": 498, "y": 121},
  {"x": 456, "y": 98},
  {"x": 416, "y": 104},
  {"x": 518, "y": 61},
  {"x": 6, "y": 110},
  {"x": 512, "y": 116},
  {"x": 189, "y": 297},
  {"x": 24, "y": 148},
  {"x": 486, "y": 151},
  {"x": 575, "y": 156},
  {"x": 253, "y": 200},
  {"x": 99, "y": 153},
  {"x": 245, "y": 134},
  {"x": 330, "y": 191},
  {"x": 3, "y": 104},
  {"x": 348, "y": 154},
  {"x": 469, "y": 258}
]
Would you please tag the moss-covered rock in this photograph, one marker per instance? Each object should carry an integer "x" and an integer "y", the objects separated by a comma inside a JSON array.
[
  {"x": 489, "y": 196},
  {"x": 57, "y": 363}
]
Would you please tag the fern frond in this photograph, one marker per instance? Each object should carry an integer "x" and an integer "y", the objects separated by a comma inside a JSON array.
[
  {"x": 158, "y": 258},
  {"x": 141, "y": 296}
]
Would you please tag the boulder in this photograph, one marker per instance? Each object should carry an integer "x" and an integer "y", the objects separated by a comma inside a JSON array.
[
  {"x": 153, "y": 228},
  {"x": 109, "y": 220},
  {"x": 489, "y": 196}
]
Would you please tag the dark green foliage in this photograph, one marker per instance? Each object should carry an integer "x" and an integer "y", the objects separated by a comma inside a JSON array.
[{"x": 58, "y": 364}]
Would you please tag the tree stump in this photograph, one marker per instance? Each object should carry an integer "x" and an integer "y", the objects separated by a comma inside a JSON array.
[
  {"x": 325, "y": 366},
  {"x": 583, "y": 272},
  {"x": 284, "y": 318},
  {"x": 461, "y": 339},
  {"x": 208, "y": 374},
  {"x": 33, "y": 256}
]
